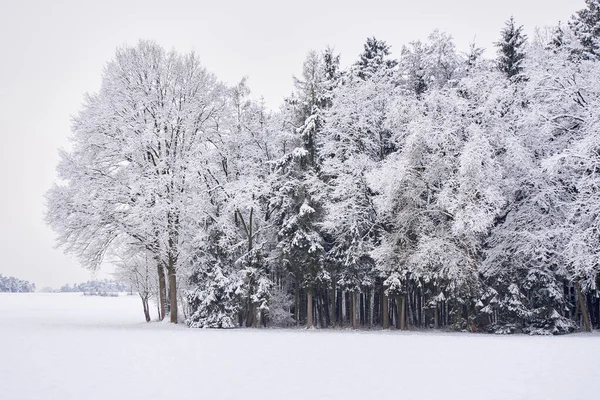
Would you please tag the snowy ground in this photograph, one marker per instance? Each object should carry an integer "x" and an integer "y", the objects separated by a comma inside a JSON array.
[{"x": 71, "y": 347}]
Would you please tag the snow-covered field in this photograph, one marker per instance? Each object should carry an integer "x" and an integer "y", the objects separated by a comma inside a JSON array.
[{"x": 71, "y": 347}]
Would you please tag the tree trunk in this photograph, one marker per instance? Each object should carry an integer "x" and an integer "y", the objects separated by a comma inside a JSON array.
[
  {"x": 361, "y": 309},
  {"x": 309, "y": 309},
  {"x": 332, "y": 318},
  {"x": 409, "y": 309},
  {"x": 371, "y": 306},
  {"x": 173, "y": 292},
  {"x": 385, "y": 310},
  {"x": 323, "y": 308},
  {"x": 402, "y": 311},
  {"x": 421, "y": 308},
  {"x": 162, "y": 292},
  {"x": 468, "y": 312},
  {"x": 250, "y": 313},
  {"x": 398, "y": 311},
  {"x": 584, "y": 310},
  {"x": 353, "y": 310},
  {"x": 297, "y": 300},
  {"x": 576, "y": 300},
  {"x": 146, "y": 308},
  {"x": 343, "y": 304}
]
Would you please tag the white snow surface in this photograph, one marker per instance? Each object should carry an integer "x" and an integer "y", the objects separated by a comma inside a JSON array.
[{"x": 72, "y": 347}]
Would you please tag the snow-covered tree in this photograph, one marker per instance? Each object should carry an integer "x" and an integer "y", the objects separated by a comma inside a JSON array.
[
  {"x": 357, "y": 136},
  {"x": 413, "y": 67},
  {"x": 138, "y": 147},
  {"x": 442, "y": 61},
  {"x": 440, "y": 190},
  {"x": 139, "y": 272},
  {"x": 13, "y": 285},
  {"x": 585, "y": 24},
  {"x": 441, "y": 193},
  {"x": 214, "y": 300},
  {"x": 375, "y": 59},
  {"x": 511, "y": 49}
]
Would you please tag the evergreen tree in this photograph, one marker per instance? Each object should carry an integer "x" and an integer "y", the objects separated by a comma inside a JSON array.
[
  {"x": 586, "y": 27},
  {"x": 310, "y": 98},
  {"x": 332, "y": 76},
  {"x": 511, "y": 49},
  {"x": 374, "y": 58},
  {"x": 215, "y": 299},
  {"x": 297, "y": 212},
  {"x": 558, "y": 39},
  {"x": 296, "y": 191},
  {"x": 473, "y": 56}
]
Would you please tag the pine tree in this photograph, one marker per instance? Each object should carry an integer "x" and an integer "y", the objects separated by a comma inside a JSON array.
[
  {"x": 297, "y": 212},
  {"x": 332, "y": 76},
  {"x": 217, "y": 287},
  {"x": 558, "y": 39},
  {"x": 586, "y": 26},
  {"x": 473, "y": 56},
  {"x": 374, "y": 58},
  {"x": 511, "y": 49},
  {"x": 310, "y": 97},
  {"x": 296, "y": 191}
]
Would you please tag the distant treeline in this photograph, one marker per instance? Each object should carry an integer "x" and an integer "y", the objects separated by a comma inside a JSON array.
[
  {"x": 95, "y": 286},
  {"x": 13, "y": 285}
]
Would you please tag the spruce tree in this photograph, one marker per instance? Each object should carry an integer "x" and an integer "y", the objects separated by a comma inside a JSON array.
[
  {"x": 558, "y": 39},
  {"x": 473, "y": 56},
  {"x": 332, "y": 77},
  {"x": 511, "y": 52},
  {"x": 297, "y": 196},
  {"x": 585, "y": 24},
  {"x": 214, "y": 301},
  {"x": 374, "y": 58}
]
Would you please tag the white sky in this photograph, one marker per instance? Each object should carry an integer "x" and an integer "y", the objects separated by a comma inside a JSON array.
[{"x": 52, "y": 52}]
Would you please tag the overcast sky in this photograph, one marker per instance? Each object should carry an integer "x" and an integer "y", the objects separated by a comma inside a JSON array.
[{"x": 52, "y": 52}]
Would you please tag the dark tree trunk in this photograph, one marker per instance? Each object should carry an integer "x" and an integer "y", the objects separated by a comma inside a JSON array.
[
  {"x": 297, "y": 303},
  {"x": 584, "y": 310},
  {"x": 162, "y": 292},
  {"x": 173, "y": 292},
  {"x": 146, "y": 308},
  {"x": 402, "y": 316},
  {"x": 322, "y": 308},
  {"x": 309, "y": 309},
  {"x": 361, "y": 314},
  {"x": 250, "y": 315},
  {"x": 343, "y": 308},
  {"x": 399, "y": 312},
  {"x": 353, "y": 310},
  {"x": 371, "y": 306},
  {"x": 385, "y": 310},
  {"x": 332, "y": 318}
]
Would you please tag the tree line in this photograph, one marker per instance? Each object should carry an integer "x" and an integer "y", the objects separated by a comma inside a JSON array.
[
  {"x": 9, "y": 284},
  {"x": 438, "y": 189},
  {"x": 95, "y": 286}
]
